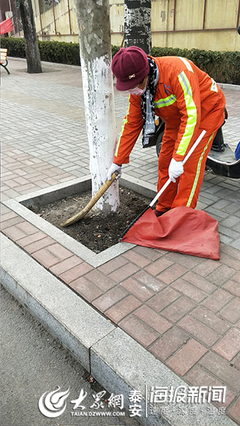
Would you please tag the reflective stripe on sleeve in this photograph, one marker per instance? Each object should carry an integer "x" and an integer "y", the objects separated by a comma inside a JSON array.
[
  {"x": 165, "y": 102},
  {"x": 191, "y": 114},
  {"x": 188, "y": 65},
  {"x": 214, "y": 87}
]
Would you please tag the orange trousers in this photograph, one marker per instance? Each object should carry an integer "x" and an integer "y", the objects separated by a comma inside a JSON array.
[{"x": 186, "y": 190}]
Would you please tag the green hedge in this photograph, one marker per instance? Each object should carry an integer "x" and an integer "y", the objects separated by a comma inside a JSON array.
[
  {"x": 224, "y": 67},
  {"x": 50, "y": 51},
  {"x": 15, "y": 46}
]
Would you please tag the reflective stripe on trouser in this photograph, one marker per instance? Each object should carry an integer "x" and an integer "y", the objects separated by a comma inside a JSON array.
[{"x": 186, "y": 190}]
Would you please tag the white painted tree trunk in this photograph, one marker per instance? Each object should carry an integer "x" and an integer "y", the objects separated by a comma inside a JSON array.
[{"x": 95, "y": 56}]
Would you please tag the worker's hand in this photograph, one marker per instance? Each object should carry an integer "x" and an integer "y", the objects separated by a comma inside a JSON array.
[
  {"x": 114, "y": 168},
  {"x": 175, "y": 169}
]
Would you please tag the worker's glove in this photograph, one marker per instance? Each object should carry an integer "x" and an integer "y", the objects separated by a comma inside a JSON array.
[
  {"x": 114, "y": 168},
  {"x": 175, "y": 169}
]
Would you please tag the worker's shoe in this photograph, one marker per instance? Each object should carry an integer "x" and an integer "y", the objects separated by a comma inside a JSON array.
[{"x": 158, "y": 213}]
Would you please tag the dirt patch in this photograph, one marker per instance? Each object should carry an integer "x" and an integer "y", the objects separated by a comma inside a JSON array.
[{"x": 96, "y": 230}]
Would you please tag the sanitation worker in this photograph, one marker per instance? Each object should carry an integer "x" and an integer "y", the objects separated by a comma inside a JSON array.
[{"x": 187, "y": 100}]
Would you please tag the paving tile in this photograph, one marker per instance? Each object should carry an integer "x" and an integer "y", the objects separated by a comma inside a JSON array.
[
  {"x": 172, "y": 273},
  {"x": 149, "y": 281},
  {"x": 110, "y": 298},
  {"x": 186, "y": 357},
  {"x": 230, "y": 251},
  {"x": 197, "y": 376},
  {"x": 221, "y": 369},
  {"x": 136, "y": 258},
  {"x": 65, "y": 265},
  {"x": 11, "y": 222},
  {"x": 122, "y": 308},
  {"x": 158, "y": 266},
  {"x": 231, "y": 312},
  {"x": 201, "y": 332},
  {"x": 29, "y": 239},
  {"x": 39, "y": 244},
  {"x": 236, "y": 277},
  {"x": 189, "y": 290},
  {"x": 217, "y": 300},
  {"x": 169, "y": 343},
  {"x": 188, "y": 261},
  {"x": 7, "y": 216},
  {"x": 154, "y": 320},
  {"x": 149, "y": 253},
  {"x": 11, "y": 183},
  {"x": 229, "y": 345},
  {"x": 21, "y": 181},
  {"x": 234, "y": 411},
  {"x": 14, "y": 233},
  {"x": 100, "y": 280},
  {"x": 11, "y": 193},
  {"x": 222, "y": 274},
  {"x": 233, "y": 287},
  {"x": 124, "y": 272},
  {"x": 51, "y": 255},
  {"x": 230, "y": 261},
  {"x": 138, "y": 330},
  {"x": 4, "y": 210},
  {"x": 163, "y": 299},
  {"x": 76, "y": 272},
  {"x": 178, "y": 309},
  {"x": 200, "y": 282},
  {"x": 85, "y": 288},
  {"x": 113, "y": 265},
  {"x": 211, "y": 320},
  {"x": 206, "y": 267},
  {"x": 27, "y": 227},
  {"x": 138, "y": 289},
  {"x": 26, "y": 188},
  {"x": 236, "y": 362}
]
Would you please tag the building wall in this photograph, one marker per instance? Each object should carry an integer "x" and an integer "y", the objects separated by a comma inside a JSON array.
[
  {"x": 56, "y": 21},
  {"x": 117, "y": 21},
  {"x": 200, "y": 24}
]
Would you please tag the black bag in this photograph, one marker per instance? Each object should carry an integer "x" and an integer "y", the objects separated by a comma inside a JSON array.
[{"x": 156, "y": 138}]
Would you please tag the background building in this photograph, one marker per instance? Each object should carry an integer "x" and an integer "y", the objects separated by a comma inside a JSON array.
[{"x": 200, "y": 24}]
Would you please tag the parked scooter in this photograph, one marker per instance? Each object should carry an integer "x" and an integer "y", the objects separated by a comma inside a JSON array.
[{"x": 221, "y": 159}]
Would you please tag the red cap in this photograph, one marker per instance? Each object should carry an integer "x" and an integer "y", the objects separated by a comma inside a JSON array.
[{"x": 130, "y": 66}]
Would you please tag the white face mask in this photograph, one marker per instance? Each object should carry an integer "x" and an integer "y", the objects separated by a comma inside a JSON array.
[{"x": 137, "y": 91}]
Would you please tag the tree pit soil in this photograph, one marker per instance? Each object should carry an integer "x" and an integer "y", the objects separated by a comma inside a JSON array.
[{"x": 96, "y": 230}]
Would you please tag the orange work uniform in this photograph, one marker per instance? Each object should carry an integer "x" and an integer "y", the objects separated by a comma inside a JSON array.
[{"x": 188, "y": 101}]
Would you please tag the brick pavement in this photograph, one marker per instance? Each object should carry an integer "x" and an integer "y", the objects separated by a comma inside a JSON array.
[{"x": 182, "y": 309}]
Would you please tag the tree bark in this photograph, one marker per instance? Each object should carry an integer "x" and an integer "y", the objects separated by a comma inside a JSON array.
[
  {"x": 95, "y": 56},
  {"x": 30, "y": 36},
  {"x": 137, "y": 24}
]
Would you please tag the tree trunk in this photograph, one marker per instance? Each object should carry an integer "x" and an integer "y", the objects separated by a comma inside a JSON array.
[
  {"x": 30, "y": 36},
  {"x": 137, "y": 24},
  {"x": 95, "y": 56}
]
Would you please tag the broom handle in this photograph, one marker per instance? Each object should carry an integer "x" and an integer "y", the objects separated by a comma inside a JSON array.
[{"x": 184, "y": 161}]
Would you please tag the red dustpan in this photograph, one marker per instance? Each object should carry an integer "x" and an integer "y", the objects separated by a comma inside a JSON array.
[{"x": 182, "y": 229}]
